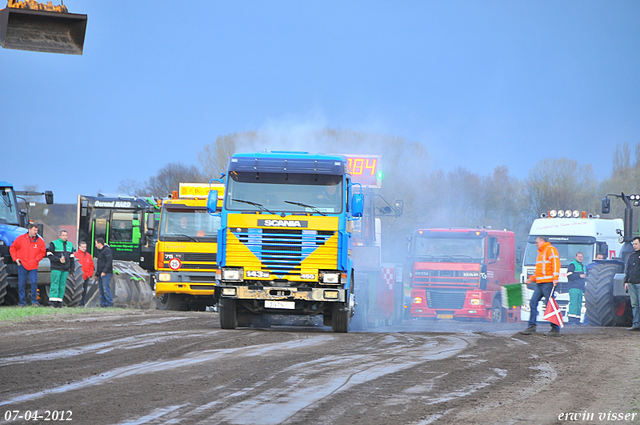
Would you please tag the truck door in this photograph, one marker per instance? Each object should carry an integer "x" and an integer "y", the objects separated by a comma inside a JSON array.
[{"x": 125, "y": 235}]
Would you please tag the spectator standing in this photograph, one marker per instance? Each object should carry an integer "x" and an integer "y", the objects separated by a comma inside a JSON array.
[
  {"x": 26, "y": 251},
  {"x": 545, "y": 278},
  {"x": 576, "y": 274},
  {"x": 104, "y": 272},
  {"x": 86, "y": 261},
  {"x": 60, "y": 254},
  {"x": 632, "y": 283}
]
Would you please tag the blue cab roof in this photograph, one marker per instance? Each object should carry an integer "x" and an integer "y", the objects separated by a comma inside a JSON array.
[{"x": 284, "y": 161}]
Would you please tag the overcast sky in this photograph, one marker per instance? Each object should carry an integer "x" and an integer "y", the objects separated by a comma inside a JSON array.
[{"x": 480, "y": 83}]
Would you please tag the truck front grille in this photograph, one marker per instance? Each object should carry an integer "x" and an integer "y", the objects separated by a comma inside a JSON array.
[
  {"x": 446, "y": 299},
  {"x": 281, "y": 251}
]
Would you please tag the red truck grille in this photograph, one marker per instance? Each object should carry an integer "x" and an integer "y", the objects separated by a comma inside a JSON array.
[
  {"x": 453, "y": 300},
  {"x": 427, "y": 278}
]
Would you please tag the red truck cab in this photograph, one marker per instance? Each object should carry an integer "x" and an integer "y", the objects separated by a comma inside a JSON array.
[{"x": 457, "y": 273}]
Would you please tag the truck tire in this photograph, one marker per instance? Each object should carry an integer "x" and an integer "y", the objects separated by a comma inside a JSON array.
[
  {"x": 361, "y": 315},
  {"x": 603, "y": 309},
  {"x": 74, "y": 287},
  {"x": 499, "y": 313},
  {"x": 3, "y": 280},
  {"x": 173, "y": 302},
  {"x": 340, "y": 315},
  {"x": 227, "y": 313}
]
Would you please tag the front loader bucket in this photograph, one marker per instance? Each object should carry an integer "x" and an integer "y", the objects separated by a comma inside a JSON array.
[{"x": 41, "y": 31}]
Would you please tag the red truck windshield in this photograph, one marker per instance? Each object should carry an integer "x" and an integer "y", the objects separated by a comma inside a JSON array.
[{"x": 428, "y": 248}]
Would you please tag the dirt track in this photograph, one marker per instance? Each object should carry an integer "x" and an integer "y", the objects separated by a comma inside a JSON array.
[{"x": 154, "y": 367}]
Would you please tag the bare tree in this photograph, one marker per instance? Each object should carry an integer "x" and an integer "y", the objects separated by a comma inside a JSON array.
[
  {"x": 169, "y": 178},
  {"x": 131, "y": 187},
  {"x": 560, "y": 183},
  {"x": 164, "y": 182},
  {"x": 214, "y": 157}
]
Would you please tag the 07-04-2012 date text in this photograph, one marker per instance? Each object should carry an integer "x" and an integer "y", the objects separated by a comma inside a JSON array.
[{"x": 36, "y": 415}]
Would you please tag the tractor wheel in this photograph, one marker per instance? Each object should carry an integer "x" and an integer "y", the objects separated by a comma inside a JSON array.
[
  {"x": 340, "y": 315},
  {"x": 227, "y": 313},
  {"x": 603, "y": 309},
  {"x": 3, "y": 280},
  {"x": 173, "y": 302},
  {"x": 499, "y": 313},
  {"x": 74, "y": 287}
]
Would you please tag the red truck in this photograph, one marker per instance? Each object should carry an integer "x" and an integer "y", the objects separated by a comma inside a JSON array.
[{"x": 457, "y": 273}]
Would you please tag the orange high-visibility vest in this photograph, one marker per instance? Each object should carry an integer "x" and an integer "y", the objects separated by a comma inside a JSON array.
[{"x": 547, "y": 264}]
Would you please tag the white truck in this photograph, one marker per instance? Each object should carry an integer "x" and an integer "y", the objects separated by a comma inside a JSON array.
[{"x": 570, "y": 232}]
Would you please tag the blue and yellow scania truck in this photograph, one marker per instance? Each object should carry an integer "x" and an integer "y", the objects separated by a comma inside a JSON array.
[{"x": 284, "y": 245}]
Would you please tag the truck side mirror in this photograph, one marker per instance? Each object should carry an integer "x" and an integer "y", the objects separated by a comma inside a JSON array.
[
  {"x": 212, "y": 201},
  {"x": 409, "y": 238},
  {"x": 22, "y": 218},
  {"x": 606, "y": 206},
  {"x": 602, "y": 248},
  {"x": 151, "y": 222},
  {"x": 357, "y": 204},
  {"x": 48, "y": 197},
  {"x": 399, "y": 207}
]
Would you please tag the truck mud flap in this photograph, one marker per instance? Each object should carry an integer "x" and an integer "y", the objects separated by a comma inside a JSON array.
[
  {"x": 130, "y": 287},
  {"x": 42, "y": 31}
]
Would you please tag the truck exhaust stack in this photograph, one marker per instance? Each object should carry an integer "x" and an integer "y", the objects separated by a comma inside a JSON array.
[{"x": 42, "y": 31}]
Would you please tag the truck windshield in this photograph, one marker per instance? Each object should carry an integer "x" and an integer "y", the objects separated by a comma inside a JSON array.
[
  {"x": 566, "y": 251},
  {"x": 282, "y": 192},
  {"x": 184, "y": 224},
  {"x": 8, "y": 207},
  {"x": 449, "y": 249}
]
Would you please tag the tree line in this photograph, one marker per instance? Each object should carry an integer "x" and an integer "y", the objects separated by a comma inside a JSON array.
[{"x": 432, "y": 197}]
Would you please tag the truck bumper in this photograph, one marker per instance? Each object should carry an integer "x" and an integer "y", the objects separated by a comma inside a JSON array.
[
  {"x": 184, "y": 283},
  {"x": 478, "y": 313},
  {"x": 272, "y": 293}
]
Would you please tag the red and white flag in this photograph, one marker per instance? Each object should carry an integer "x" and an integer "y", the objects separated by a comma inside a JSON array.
[{"x": 552, "y": 313}]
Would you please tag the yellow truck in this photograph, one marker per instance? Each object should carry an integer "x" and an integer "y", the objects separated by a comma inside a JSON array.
[{"x": 186, "y": 249}]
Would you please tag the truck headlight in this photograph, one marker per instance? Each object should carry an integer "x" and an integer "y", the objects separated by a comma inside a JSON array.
[
  {"x": 476, "y": 301},
  {"x": 416, "y": 300},
  {"x": 232, "y": 274},
  {"x": 331, "y": 278},
  {"x": 229, "y": 292},
  {"x": 164, "y": 277},
  {"x": 331, "y": 295}
]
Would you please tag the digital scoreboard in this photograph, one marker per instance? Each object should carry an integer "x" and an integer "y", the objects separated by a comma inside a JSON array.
[{"x": 364, "y": 169}]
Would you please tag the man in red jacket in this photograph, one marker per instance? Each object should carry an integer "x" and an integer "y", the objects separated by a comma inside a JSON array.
[
  {"x": 86, "y": 261},
  {"x": 27, "y": 250}
]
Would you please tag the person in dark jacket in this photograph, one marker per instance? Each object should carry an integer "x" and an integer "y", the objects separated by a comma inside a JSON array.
[
  {"x": 60, "y": 255},
  {"x": 104, "y": 272},
  {"x": 632, "y": 283},
  {"x": 576, "y": 274}
]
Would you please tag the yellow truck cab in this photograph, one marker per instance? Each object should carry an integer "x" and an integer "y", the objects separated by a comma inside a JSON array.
[{"x": 186, "y": 249}]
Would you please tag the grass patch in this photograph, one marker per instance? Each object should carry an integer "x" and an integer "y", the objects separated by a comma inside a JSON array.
[{"x": 17, "y": 314}]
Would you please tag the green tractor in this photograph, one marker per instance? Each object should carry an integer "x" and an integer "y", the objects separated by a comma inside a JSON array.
[{"x": 607, "y": 302}]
